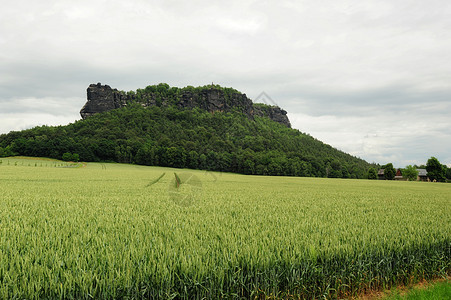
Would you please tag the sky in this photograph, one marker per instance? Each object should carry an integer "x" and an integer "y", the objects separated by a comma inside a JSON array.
[{"x": 371, "y": 78}]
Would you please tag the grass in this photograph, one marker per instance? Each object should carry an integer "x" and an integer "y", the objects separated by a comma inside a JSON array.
[
  {"x": 109, "y": 231},
  {"x": 437, "y": 291}
]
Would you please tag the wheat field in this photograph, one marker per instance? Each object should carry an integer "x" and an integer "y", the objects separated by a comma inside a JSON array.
[{"x": 109, "y": 231}]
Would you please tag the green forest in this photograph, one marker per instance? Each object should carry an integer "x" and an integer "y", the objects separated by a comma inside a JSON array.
[{"x": 187, "y": 138}]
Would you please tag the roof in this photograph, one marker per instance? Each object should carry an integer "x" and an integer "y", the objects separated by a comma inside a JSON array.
[
  {"x": 380, "y": 172},
  {"x": 422, "y": 172}
]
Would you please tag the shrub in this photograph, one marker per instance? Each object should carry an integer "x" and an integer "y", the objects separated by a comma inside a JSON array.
[
  {"x": 67, "y": 156},
  {"x": 75, "y": 157}
]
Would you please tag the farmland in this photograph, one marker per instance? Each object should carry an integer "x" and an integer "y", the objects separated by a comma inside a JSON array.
[{"x": 126, "y": 231}]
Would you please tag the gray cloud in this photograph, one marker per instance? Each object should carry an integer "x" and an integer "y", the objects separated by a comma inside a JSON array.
[{"x": 371, "y": 78}]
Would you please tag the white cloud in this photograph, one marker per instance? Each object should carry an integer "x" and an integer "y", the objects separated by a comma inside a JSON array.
[
  {"x": 399, "y": 137},
  {"x": 342, "y": 69},
  {"x": 22, "y": 121}
]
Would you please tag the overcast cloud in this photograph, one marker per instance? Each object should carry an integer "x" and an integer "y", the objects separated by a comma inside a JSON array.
[{"x": 372, "y": 78}]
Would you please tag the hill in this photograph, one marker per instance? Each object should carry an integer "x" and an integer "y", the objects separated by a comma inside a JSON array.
[{"x": 187, "y": 128}]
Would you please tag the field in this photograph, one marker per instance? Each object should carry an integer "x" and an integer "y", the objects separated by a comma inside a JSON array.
[{"x": 124, "y": 231}]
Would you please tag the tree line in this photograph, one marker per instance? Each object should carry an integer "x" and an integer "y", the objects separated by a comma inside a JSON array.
[{"x": 187, "y": 138}]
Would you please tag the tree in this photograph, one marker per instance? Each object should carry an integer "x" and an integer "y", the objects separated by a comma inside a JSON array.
[
  {"x": 4, "y": 152},
  {"x": 444, "y": 172},
  {"x": 175, "y": 157},
  {"x": 372, "y": 173},
  {"x": 248, "y": 166},
  {"x": 435, "y": 169},
  {"x": 411, "y": 173},
  {"x": 75, "y": 157},
  {"x": 67, "y": 156},
  {"x": 389, "y": 171},
  {"x": 335, "y": 169},
  {"x": 202, "y": 161},
  {"x": 192, "y": 160}
]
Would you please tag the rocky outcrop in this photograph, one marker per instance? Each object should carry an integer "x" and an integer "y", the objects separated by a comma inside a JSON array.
[
  {"x": 275, "y": 113},
  {"x": 102, "y": 98},
  {"x": 216, "y": 100}
]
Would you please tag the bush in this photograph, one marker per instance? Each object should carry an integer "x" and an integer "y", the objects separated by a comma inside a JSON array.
[{"x": 67, "y": 156}]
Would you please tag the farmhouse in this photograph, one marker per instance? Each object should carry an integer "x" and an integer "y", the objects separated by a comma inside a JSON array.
[
  {"x": 398, "y": 175},
  {"x": 423, "y": 175}
]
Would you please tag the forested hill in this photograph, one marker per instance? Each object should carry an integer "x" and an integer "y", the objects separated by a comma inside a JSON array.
[{"x": 187, "y": 138}]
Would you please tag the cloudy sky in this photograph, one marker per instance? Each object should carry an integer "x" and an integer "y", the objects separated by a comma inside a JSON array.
[{"x": 372, "y": 78}]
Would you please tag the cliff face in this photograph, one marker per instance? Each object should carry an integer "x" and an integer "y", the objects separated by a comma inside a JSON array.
[
  {"x": 214, "y": 100},
  {"x": 102, "y": 98},
  {"x": 275, "y": 113}
]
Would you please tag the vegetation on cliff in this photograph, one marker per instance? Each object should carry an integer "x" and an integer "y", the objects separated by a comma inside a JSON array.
[
  {"x": 212, "y": 98},
  {"x": 188, "y": 138}
]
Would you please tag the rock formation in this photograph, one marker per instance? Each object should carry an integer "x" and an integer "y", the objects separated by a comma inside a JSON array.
[
  {"x": 102, "y": 98},
  {"x": 275, "y": 113}
]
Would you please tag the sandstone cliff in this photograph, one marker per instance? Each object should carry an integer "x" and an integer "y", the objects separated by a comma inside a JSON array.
[{"x": 103, "y": 98}]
